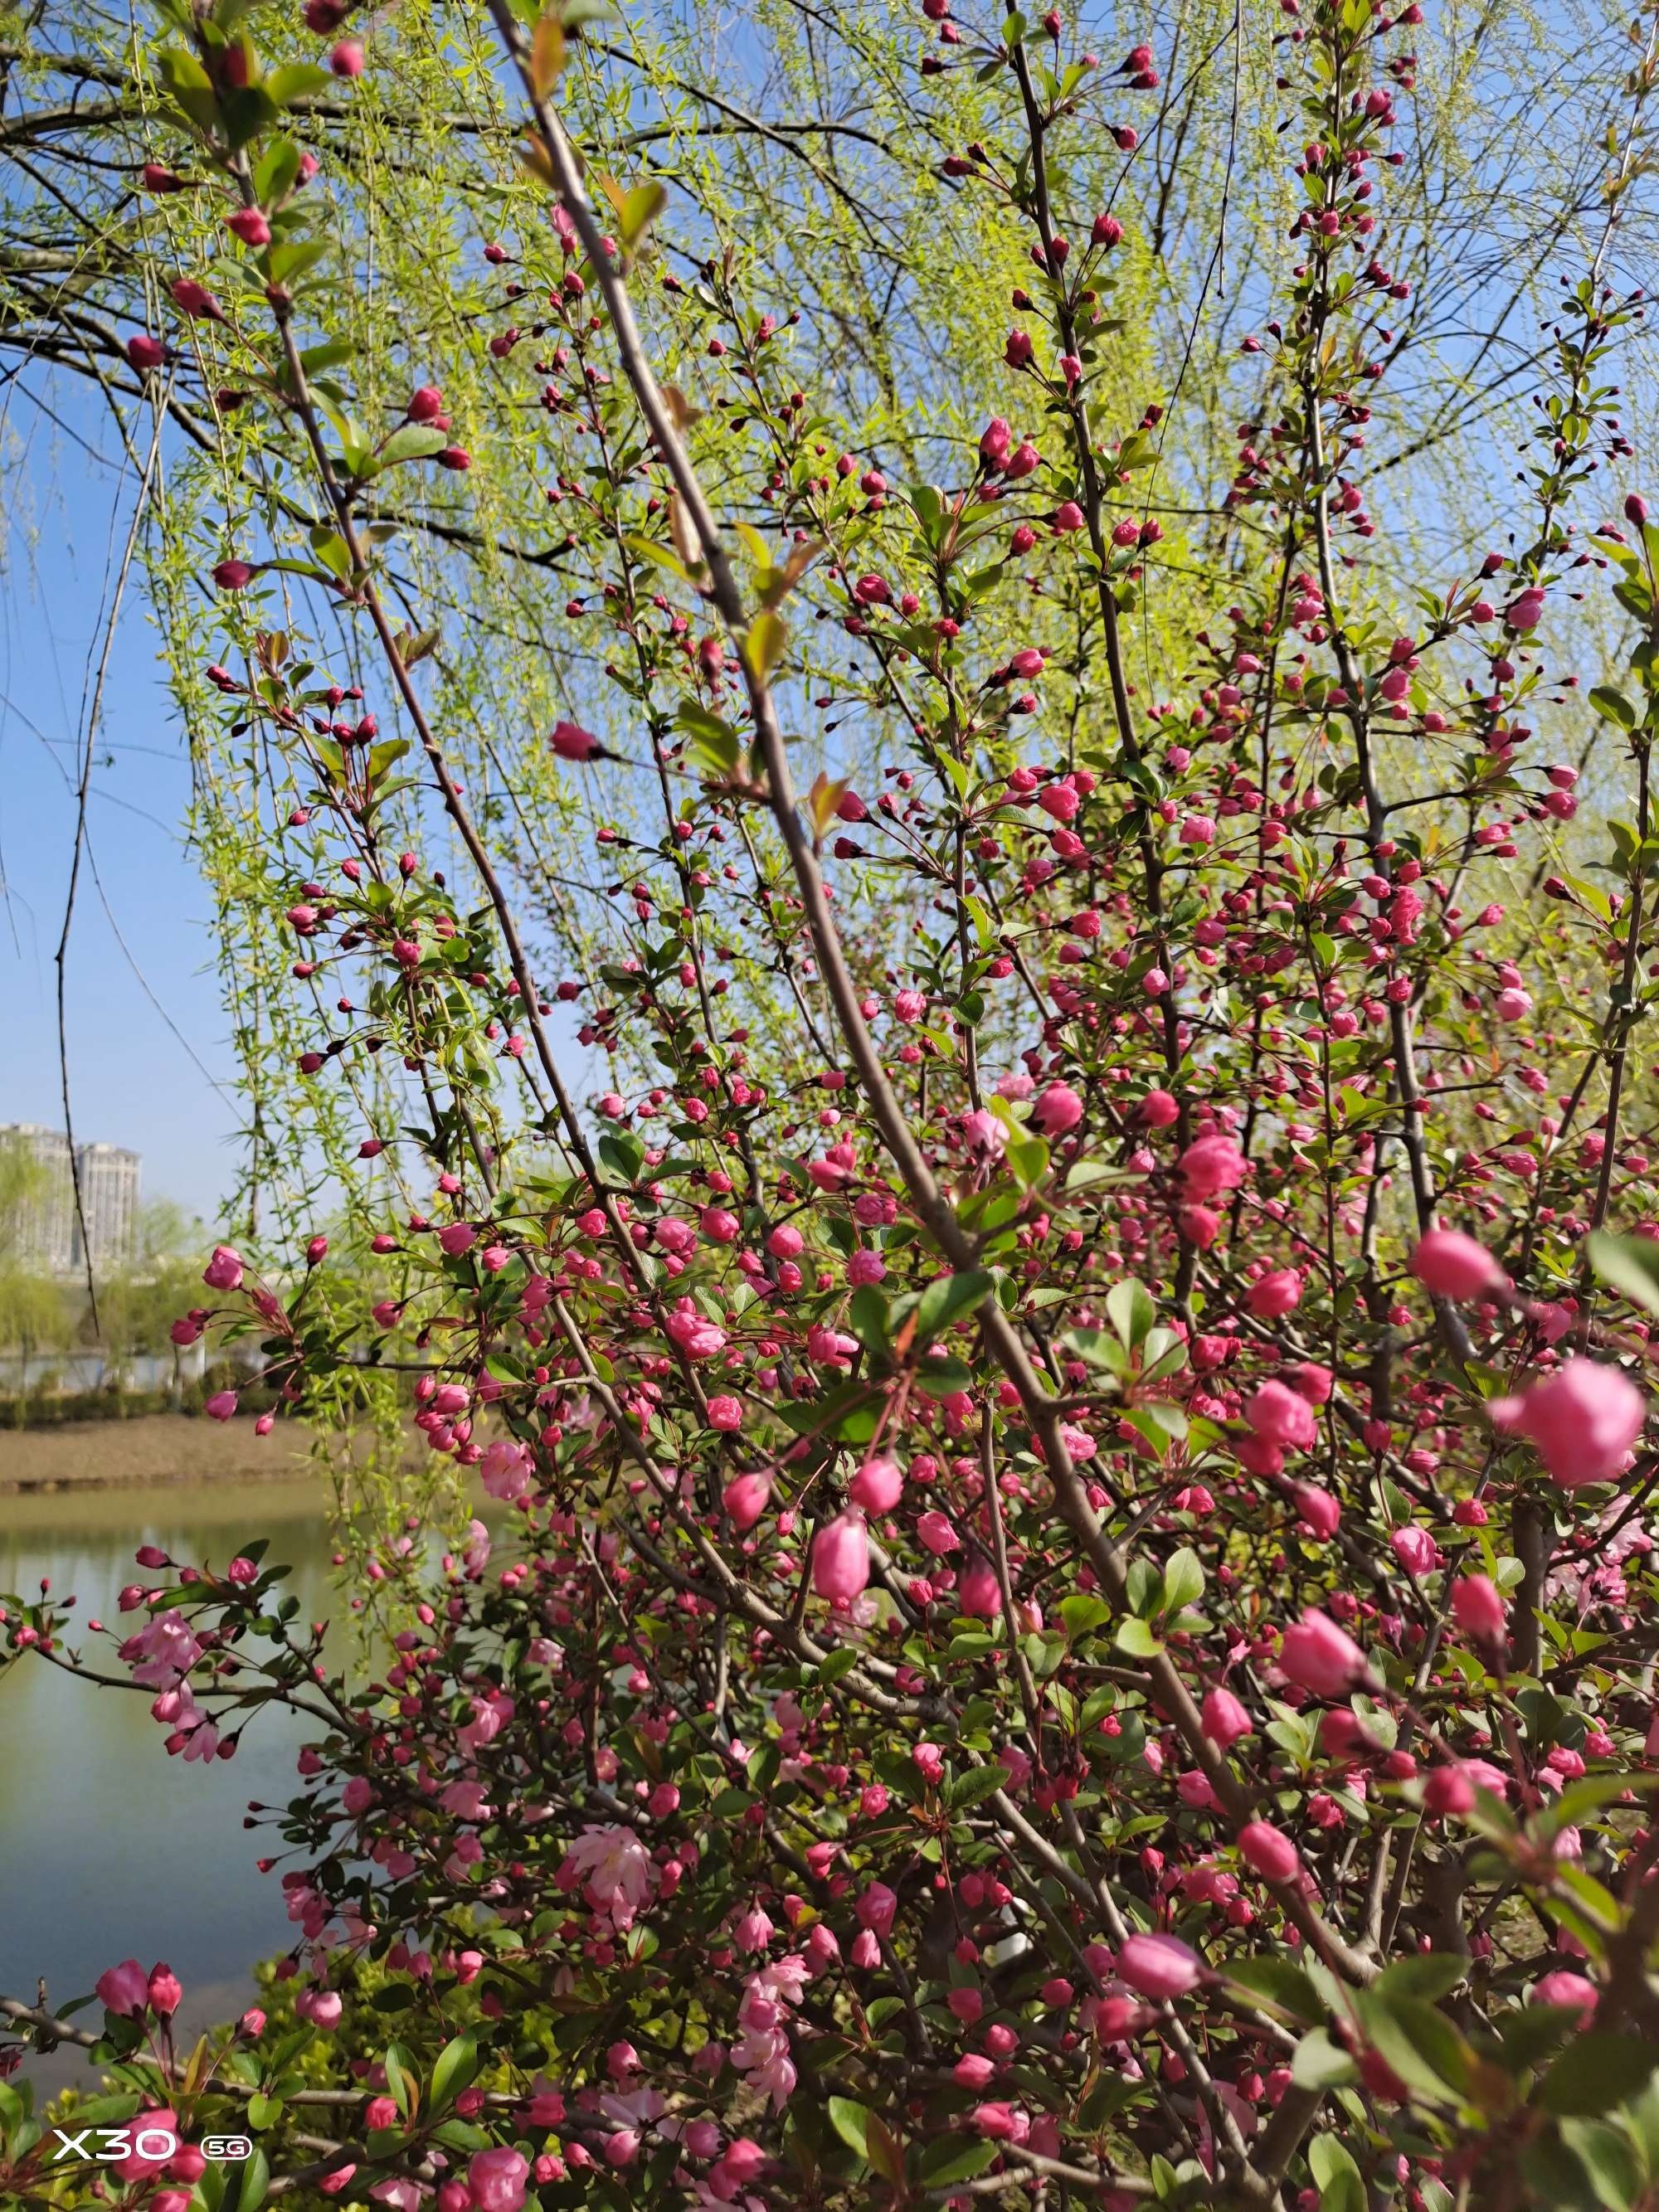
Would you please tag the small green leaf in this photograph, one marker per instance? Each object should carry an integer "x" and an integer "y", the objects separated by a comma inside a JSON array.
[
  {"x": 1137, "y": 1638},
  {"x": 949, "y": 2160},
  {"x": 456, "y": 2065},
  {"x": 1614, "y": 705},
  {"x": 1341, "y": 2186},
  {"x": 410, "y": 441},
  {"x": 1321, "y": 2063},
  {"x": 1282, "y": 1984},
  {"x": 1629, "y": 1265},
  {"x": 296, "y": 81},
  {"x": 1597, "y": 2072},
  {"x": 949, "y": 1299},
  {"x": 1131, "y": 1313},
  {"x": 763, "y": 642},
  {"x": 1183, "y": 1580},
  {"x": 979, "y": 1781},
  {"x": 851, "y": 2122}
]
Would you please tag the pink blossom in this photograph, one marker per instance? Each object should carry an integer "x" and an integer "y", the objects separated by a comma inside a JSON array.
[
  {"x": 1269, "y": 1850},
  {"x": 124, "y": 1988},
  {"x": 1478, "y": 1608},
  {"x": 1211, "y": 1165},
  {"x": 224, "y": 1271},
  {"x": 1416, "y": 1551},
  {"x": 1282, "y": 1417},
  {"x": 1275, "y": 1294},
  {"x": 613, "y": 1868},
  {"x": 1320, "y": 1657},
  {"x": 1453, "y": 1266},
  {"x": 497, "y": 2179},
  {"x": 745, "y": 1498},
  {"x": 841, "y": 1558},
  {"x": 1583, "y": 1420},
  {"x": 1224, "y": 1718},
  {"x": 1159, "y": 1967},
  {"x": 505, "y": 1470},
  {"x": 1564, "y": 1988},
  {"x": 1058, "y": 1109},
  {"x": 878, "y": 1486}
]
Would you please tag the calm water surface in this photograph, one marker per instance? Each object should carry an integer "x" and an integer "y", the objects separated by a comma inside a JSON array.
[{"x": 110, "y": 1850}]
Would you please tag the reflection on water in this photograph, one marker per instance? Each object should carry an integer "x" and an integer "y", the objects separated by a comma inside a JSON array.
[{"x": 109, "y": 1849}]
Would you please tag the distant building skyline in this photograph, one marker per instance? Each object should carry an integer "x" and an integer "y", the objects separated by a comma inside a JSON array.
[{"x": 109, "y": 1177}]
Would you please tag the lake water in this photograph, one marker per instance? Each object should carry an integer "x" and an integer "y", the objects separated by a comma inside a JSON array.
[{"x": 110, "y": 1850}]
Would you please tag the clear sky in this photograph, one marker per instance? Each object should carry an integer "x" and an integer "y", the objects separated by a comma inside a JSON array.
[{"x": 64, "y": 516}]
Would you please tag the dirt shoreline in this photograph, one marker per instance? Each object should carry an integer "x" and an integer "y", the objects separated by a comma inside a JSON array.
[{"x": 149, "y": 1450}]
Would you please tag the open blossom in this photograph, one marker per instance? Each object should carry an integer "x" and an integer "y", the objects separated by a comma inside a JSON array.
[
  {"x": 1583, "y": 1420},
  {"x": 505, "y": 1470},
  {"x": 163, "y": 1651},
  {"x": 496, "y": 2179},
  {"x": 613, "y": 1870}
]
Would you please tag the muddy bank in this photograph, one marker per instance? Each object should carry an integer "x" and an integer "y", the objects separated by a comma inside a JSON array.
[{"x": 151, "y": 1449}]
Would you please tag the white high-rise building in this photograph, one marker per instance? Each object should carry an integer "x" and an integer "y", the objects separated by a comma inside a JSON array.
[
  {"x": 109, "y": 1201},
  {"x": 45, "y": 1232}
]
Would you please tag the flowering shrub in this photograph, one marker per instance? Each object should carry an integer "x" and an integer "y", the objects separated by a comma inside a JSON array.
[{"x": 1067, "y": 1613}]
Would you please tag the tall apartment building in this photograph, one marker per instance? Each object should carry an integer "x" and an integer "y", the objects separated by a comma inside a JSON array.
[
  {"x": 109, "y": 1201},
  {"x": 44, "y": 1231}
]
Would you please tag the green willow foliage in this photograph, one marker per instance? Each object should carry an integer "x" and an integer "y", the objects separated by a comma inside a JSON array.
[{"x": 994, "y": 612}]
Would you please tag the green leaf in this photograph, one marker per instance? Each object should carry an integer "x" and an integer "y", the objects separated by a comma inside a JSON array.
[
  {"x": 1614, "y": 705},
  {"x": 273, "y": 178},
  {"x": 1629, "y": 1265},
  {"x": 1080, "y": 1615},
  {"x": 1421, "y": 2045},
  {"x": 968, "y": 1789},
  {"x": 624, "y": 1153},
  {"x": 763, "y": 642},
  {"x": 457, "y": 2064},
  {"x": 1137, "y": 1638},
  {"x": 639, "y": 210},
  {"x": 1430, "y": 1976},
  {"x": 713, "y": 744},
  {"x": 401, "y": 2071},
  {"x": 949, "y": 2159},
  {"x": 1183, "y": 1580},
  {"x": 296, "y": 81},
  {"x": 410, "y": 441},
  {"x": 1341, "y": 2186},
  {"x": 248, "y": 2184},
  {"x": 1610, "y": 2159},
  {"x": 384, "y": 755},
  {"x": 1282, "y": 1984},
  {"x": 851, "y": 2122},
  {"x": 1596, "y": 2072},
  {"x": 868, "y": 1314},
  {"x": 1321, "y": 2063},
  {"x": 1028, "y": 1160},
  {"x": 189, "y": 86},
  {"x": 1131, "y": 1313},
  {"x": 950, "y": 1298}
]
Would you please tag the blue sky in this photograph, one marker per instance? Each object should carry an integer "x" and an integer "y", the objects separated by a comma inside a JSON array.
[{"x": 133, "y": 1081}]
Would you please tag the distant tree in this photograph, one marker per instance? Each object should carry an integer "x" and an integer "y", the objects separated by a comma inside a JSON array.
[{"x": 31, "y": 1305}]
